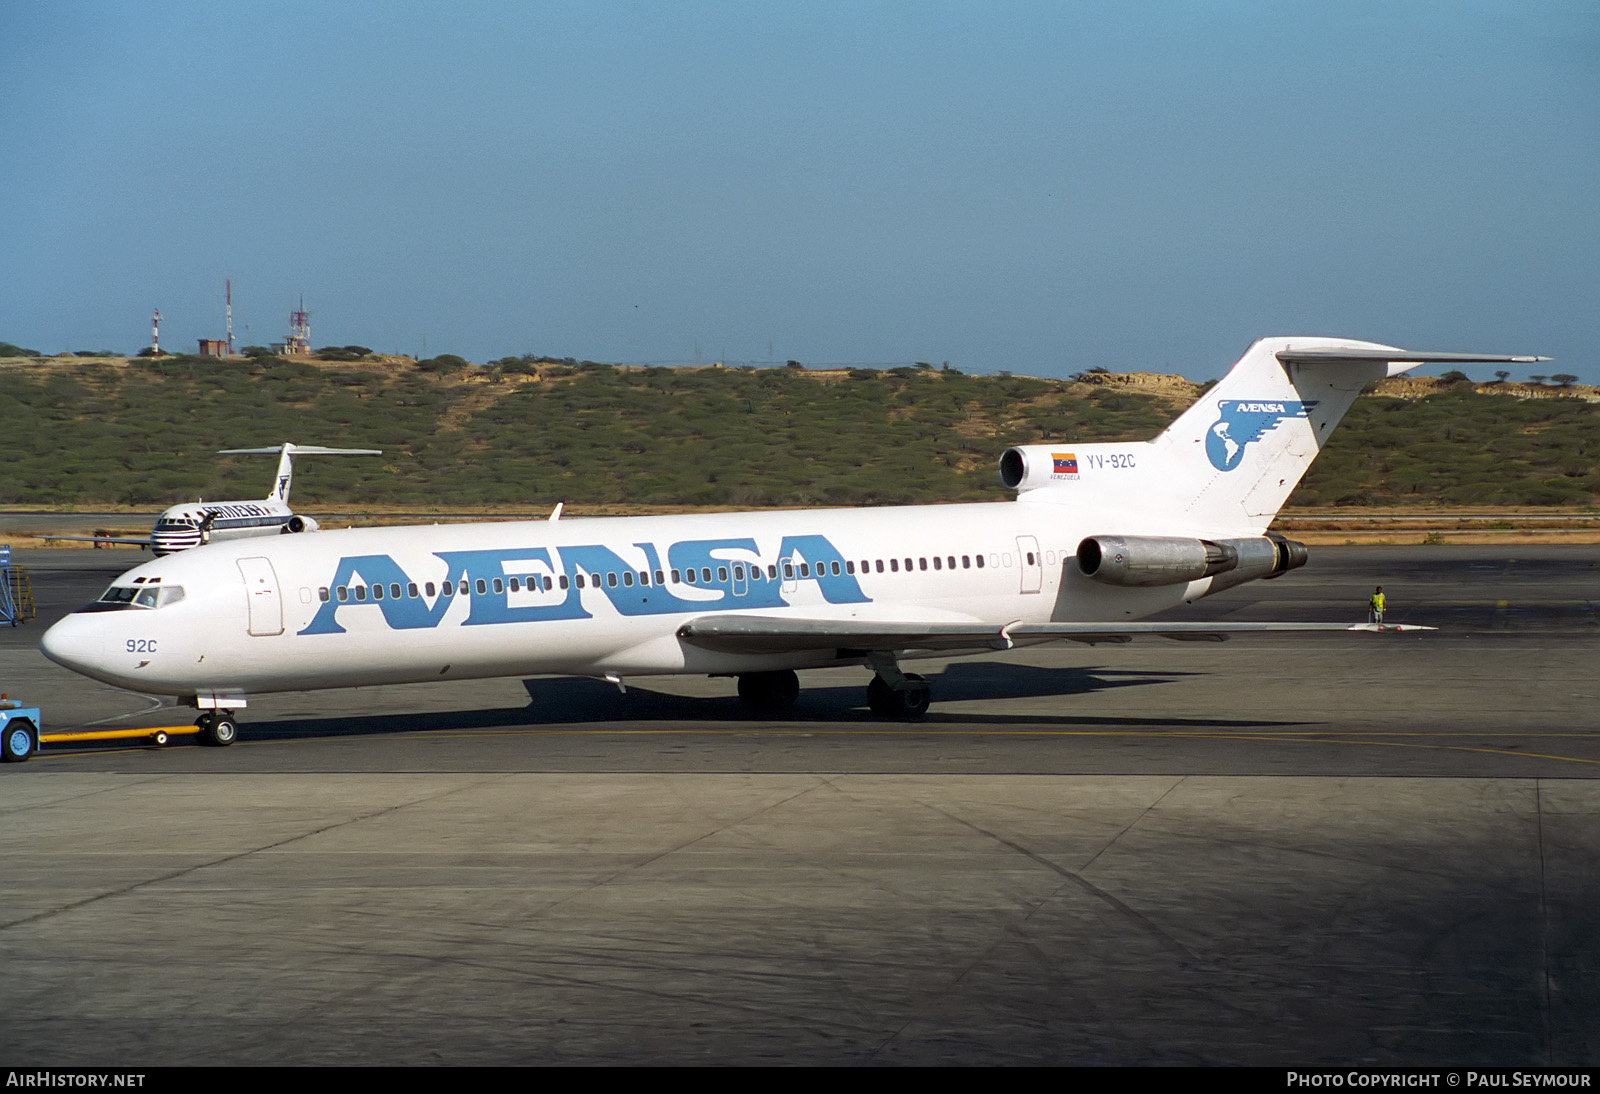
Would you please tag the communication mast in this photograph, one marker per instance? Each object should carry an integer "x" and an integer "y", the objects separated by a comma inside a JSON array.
[
  {"x": 228, "y": 284},
  {"x": 155, "y": 331},
  {"x": 299, "y": 343}
]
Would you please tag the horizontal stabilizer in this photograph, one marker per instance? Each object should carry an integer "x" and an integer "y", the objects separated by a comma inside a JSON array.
[
  {"x": 770, "y": 634},
  {"x": 300, "y": 450},
  {"x": 1405, "y": 359}
]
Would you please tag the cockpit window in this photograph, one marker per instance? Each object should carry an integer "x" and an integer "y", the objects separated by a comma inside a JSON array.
[{"x": 137, "y": 596}]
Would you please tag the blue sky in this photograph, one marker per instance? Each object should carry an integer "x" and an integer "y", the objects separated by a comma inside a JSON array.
[{"x": 1033, "y": 187}]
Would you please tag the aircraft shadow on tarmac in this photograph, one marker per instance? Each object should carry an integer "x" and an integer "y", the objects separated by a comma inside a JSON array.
[{"x": 560, "y": 702}]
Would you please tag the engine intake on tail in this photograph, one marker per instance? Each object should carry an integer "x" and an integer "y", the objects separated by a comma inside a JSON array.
[{"x": 1164, "y": 560}]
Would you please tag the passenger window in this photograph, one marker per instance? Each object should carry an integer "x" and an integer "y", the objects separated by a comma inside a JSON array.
[
  {"x": 677, "y": 578},
  {"x": 738, "y": 573},
  {"x": 322, "y": 594},
  {"x": 564, "y": 581},
  {"x": 879, "y": 565},
  {"x": 850, "y": 566},
  {"x": 394, "y": 591},
  {"x": 627, "y": 578},
  {"x": 922, "y": 563},
  {"x": 705, "y": 575},
  {"x": 361, "y": 592},
  {"x": 411, "y": 590},
  {"x": 894, "y": 565},
  {"x": 344, "y": 593},
  {"x": 722, "y": 573},
  {"x": 688, "y": 576},
  {"x": 936, "y": 565},
  {"x": 483, "y": 586},
  {"x": 805, "y": 569},
  {"x": 834, "y": 568},
  {"x": 660, "y": 578},
  {"x": 788, "y": 571}
]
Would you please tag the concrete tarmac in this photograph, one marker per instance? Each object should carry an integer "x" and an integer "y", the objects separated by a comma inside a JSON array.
[{"x": 1336, "y": 849}]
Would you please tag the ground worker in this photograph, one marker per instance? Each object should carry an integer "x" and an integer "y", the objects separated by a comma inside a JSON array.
[{"x": 1375, "y": 607}]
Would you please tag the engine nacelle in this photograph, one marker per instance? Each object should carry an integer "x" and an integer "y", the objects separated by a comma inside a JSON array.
[
  {"x": 1164, "y": 560},
  {"x": 1029, "y": 466},
  {"x": 298, "y": 523}
]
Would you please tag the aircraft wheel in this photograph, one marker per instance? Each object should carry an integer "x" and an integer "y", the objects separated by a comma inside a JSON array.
[
  {"x": 159, "y": 739},
  {"x": 217, "y": 730},
  {"x": 769, "y": 690},
  {"x": 18, "y": 742},
  {"x": 908, "y": 702}
]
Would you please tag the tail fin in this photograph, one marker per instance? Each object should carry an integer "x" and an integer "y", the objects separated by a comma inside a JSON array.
[
  {"x": 285, "y": 479},
  {"x": 1231, "y": 460}
]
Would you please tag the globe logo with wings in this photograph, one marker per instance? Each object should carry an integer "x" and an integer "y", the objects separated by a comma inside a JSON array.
[{"x": 1242, "y": 421}]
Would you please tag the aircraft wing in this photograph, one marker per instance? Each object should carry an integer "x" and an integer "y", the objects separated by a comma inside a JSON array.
[
  {"x": 142, "y": 541},
  {"x": 777, "y": 634}
]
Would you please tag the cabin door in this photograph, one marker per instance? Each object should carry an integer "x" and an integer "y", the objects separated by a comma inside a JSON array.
[
  {"x": 1032, "y": 563},
  {"x": 261, "y": 592}
]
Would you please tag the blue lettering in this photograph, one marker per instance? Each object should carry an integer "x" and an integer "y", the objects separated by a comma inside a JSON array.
[
  {"x": 700, "y": 554},
  {"x": 828, "y": 570},
  {"x": 495, "y": 607},
  {"x": 722, "y": 558}
]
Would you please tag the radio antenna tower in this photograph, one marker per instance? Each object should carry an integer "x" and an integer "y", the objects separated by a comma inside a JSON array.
[
  {"x": 300, "y": 330},
  {"x": 155, "y": 332},
  {"x": 228, "y": 288}
]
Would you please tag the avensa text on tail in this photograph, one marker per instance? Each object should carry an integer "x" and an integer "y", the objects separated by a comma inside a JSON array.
[{"x": 1098, "y": 537}]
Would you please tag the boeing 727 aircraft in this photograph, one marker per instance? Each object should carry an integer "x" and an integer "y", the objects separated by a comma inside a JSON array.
[
  {"x": 1099, "y": 536},
  {"x": 192, "y": 523}
]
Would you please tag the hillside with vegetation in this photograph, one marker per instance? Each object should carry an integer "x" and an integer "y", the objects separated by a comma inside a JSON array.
[{"x": 529, "y": 432}]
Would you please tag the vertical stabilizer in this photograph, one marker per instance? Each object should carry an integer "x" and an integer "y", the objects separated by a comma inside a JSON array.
[
  {"x": 1239, "y": 452},
  {"x": 287, "y": 451},
  {"x": 1227, "y": 464}
]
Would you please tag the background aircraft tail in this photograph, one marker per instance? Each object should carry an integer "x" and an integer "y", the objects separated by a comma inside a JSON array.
[
  {"x": 285, "y": 479},
  {"x": 1229, "y": 462}
]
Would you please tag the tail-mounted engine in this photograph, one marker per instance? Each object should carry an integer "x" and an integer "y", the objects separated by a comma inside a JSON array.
[
  {"x": 298, "y": 523},
  {"x": 1161, "y": 560}
]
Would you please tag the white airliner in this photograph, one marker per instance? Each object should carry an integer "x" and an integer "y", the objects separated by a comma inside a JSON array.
[
  {"x": 1098, "y": 536},
  {"x": 193, "y": 523}
]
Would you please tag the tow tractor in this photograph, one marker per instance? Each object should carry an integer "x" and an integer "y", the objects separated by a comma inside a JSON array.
[{"x": 19, "y": 731}]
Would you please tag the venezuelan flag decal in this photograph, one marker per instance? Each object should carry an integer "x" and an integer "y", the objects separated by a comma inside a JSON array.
[{"x": 1064, "y": 465}]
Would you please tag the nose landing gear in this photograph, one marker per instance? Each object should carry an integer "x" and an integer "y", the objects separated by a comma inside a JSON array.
[{"x": 217, "y": 728}]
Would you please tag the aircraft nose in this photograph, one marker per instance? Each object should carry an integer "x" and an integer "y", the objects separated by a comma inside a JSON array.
[{"x": 72, "y": 645}]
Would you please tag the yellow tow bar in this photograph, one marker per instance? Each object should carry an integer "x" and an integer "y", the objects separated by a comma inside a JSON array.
[{"x": 159, "y": 735}]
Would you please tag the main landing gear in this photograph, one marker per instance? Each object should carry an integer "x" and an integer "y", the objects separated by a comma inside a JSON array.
[
  {"x": 217, "y": 728},
  {"x": 896, "y": 694},
  {"x": 769, "y": 690},
  {"x": 892, "y": 693}
]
